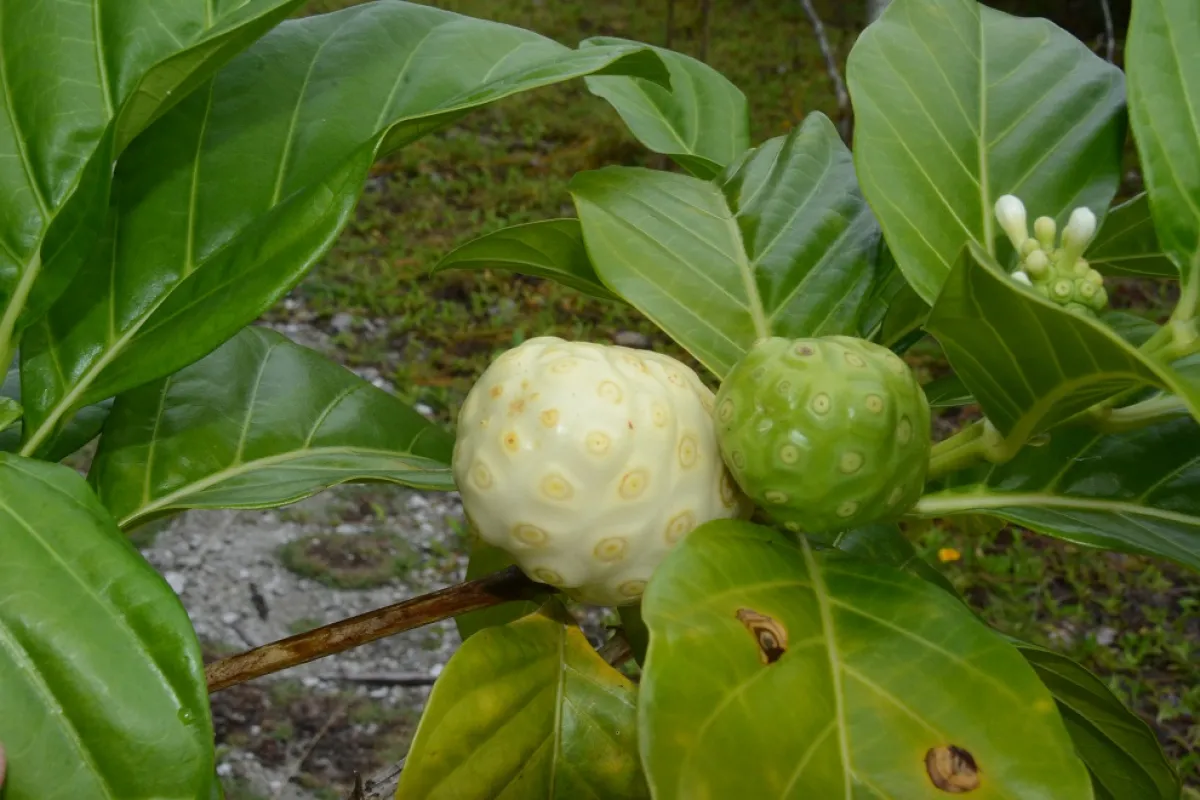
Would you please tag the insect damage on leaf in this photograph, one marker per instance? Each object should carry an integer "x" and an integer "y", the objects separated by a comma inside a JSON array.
[
  {"x": 952, "y": 769},
  {"x": 768, "y": 633}
]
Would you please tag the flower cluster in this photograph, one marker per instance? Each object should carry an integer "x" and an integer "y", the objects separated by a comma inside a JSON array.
[{"x": 1055, "y": 270}]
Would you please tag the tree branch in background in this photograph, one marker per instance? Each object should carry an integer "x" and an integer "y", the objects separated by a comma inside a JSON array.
[
  {"x": 1110, "y": 39},
  {"x": 831, "y": 66},
  {"x": 705, "y": 28},
  {"x": 670, "y": 24},
  {"x": 490, "y": 590}
]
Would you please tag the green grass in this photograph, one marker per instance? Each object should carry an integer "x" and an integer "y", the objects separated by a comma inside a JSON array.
[{"x": 1134, "y": 621}]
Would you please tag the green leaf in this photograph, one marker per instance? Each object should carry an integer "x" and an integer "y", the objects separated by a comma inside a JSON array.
[
  {"x": 885, "y": 543},
  {"x": 778, "y": 672},
  {"x": 81, "y": 429},
  {"x": 1130, "y": 327},
  {"x": 1121, "y": 751},
  {"x": 782, "y": 245},
  {"x": 550, "y": 249},
  {"x": 905, "y": 315},
  {"x": 1029, "y": 362},
  {"x": 1135, "y": 491},
  {"x": 636, "y": 632},
  {"x": 258, "y": 423},
  {"x": 485, "y": 559},
  {"x": 1128, "y": 245},
  {"x": 103, "y": 680},
  {"x": 1164, "y": 109},
  {"x": 526, "y": 710},
  {"x": 956, "y": 104},
  {"x": 78, "y": 81},
  {"x": 224, "y": 203},
  {"x": 701, "y": 121},
  {"x": 947, "y": 392}
]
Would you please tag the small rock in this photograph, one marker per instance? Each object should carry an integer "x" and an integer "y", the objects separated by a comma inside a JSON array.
[
  {"x": 230, "y": 617},
  {"x": 1105, "y": 636},
  {"x": 436, "y": 670},
  {"x": 177, "y": 581},
  {"x": 225, "y": 769},
  {"x": 424, "y": 410},
  {"x": 380, "y": 693},
  {"x": 631, "y": 339},
  {"x": 310, "y": 682},
  {"x": 341, "y": 322}
]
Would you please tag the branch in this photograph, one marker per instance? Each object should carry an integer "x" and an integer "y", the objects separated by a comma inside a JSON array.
[
  {"x": 491, "y": 590},
  {"x": 835, "y": 75}
]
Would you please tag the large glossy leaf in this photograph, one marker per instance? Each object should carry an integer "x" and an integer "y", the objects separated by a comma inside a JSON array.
[
  {"x": 102, "y": 689},
  {"x": 777, "y": 672},
  {"x": 1137, "y": 491},
  {"x": 77, "y": 82},
  {"x": 526, "y": 710},
  {"x": 548, "y": 249},
  {"x": 1164, "y": 108},
  {"x": 1127, "y": 243},
  {"x": 1029, "y": 362},
  {"x": 781, "y": 245},
  {"x": 485, "y": 559},
  {"x": 702, "y": 121},
  {"x": 947, "y": 392},
  {"x": 259, "y": 422},
  {"x": 956, "y": 104},
  {"x": 886, "y": 544},
  {"x": 223, "y": 204},
  {"x": 1121, "y": 751},
  {"x": 81, "y": 429}
]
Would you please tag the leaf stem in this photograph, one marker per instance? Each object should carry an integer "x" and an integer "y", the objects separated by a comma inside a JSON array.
[
  {"x": 16, "y": 304},
  {"x": 1155, "y": 409},
  {"x": 979, "y": 441},
  {"x": 491, "y": 590}
]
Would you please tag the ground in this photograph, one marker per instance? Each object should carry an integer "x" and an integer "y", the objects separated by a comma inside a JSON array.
[{"x": 373, "y": 305}]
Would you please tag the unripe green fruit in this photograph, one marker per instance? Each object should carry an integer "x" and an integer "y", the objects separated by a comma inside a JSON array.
[
  {"x": 825, "y": 434},
  {"x": 587, "y": 463}
]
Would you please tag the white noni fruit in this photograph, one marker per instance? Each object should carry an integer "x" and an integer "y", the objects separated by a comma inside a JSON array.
[{"x": 587, "y": 463}]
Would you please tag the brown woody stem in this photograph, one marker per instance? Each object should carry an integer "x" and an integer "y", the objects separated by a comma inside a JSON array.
[{"x": 491, "y": 590}]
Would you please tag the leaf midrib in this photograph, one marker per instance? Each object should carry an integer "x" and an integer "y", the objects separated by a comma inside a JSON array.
[{"x": 952, "y": 501}]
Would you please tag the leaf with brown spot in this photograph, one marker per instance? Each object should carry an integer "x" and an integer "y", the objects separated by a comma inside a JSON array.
[
  {"x": 952, "y": 769},
  {"x": 880, "y": 668}
]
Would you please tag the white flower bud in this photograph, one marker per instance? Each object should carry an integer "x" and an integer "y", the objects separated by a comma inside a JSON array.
[
  {"x": 1010, "y": 212},
  {"x": 1029, "y": 246},
  {"x": 1045, "y": 229},
  {"x": 1021, "y": 277},
  {"x": 1081, "y": 227},
  {"x": 1037, "y": 263}
]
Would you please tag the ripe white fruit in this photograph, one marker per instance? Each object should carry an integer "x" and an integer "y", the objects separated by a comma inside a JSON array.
[{"x": 587, "y": 463}]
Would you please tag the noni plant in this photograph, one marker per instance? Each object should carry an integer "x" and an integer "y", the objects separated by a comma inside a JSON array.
[{"x": 170, "y": 171}]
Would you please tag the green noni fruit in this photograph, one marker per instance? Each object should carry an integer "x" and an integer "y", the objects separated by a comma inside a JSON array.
[{"x": 825, "y": 434}]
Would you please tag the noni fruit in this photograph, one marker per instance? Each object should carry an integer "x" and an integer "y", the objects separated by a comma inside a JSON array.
[
  {"x": 825, "y": 434},
  {"x": 588, "y": 462},
  {"x": 1058, "y": 273}
]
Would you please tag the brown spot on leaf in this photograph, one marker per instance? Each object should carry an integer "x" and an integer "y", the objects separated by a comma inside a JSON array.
[
  {"x": 952, "y": 769},
  {"x": 768, "y": 633}
]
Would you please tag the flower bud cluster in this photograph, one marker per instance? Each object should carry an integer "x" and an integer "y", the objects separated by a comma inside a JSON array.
[{"x": 1054, "y": 266}]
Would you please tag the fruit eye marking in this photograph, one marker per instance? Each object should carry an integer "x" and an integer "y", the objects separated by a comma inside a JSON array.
[
  {"x": 496, "y": 391},
  {"x": 952, "y": 769},
  {"x": 563, "y": 365},
  {"x": 549, "y": 576},
  {"x": 855, "y": 360},
  {"x": 895, "y": 496},
  {"x": 789, "y": 454},
  {"x": 659, "y": 415},
  {"x": 770, "y": 636},
  {"x": 725, "y": 412},
  {"x": 738, "y": 458},
  {"x": 896, "y": 364},
  {"x": 681, "y": 524},
  {"x": 530, "y": 535},
  {"x": 549, "y": 417},
  {"x": 688, "y": 451},
  {"x": 675, "y": 378},
  {"x": 850, "y": 462},
  {"x": 874, "y": 403},
  {"x": 847, "y": 508},
  {"x": 482, "y": 476},
  {"x": 728, "y": 496},
  {"x": 804, "y": 350},
  {"x": 820, "y": 404},
  {"x": 610, "y": 391},
  {"x": 597, "y": 443},
  {"x": 779, "y": 498},
  {"x": 557, "y": 488},
  {"x": 632, "y": 588},
  {"x": 633, "y": 484},
  {"x": 904, "y": 431},
  {"x": 611, "y": 549},
  {"x": 784, "y": 387},
  {"x": 512, "y": 442}
]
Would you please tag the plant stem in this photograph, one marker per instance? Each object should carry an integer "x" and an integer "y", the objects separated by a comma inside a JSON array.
[
  {"x": 490, "y": 590},
  {"x": 1139, "y": 415},
  {"x": 16, "y": 304},
  {"x": 979, "y": 441}
]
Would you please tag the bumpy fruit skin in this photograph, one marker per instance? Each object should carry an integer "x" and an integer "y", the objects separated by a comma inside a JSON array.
[
  {"x": 587, "y": 463},
  {"x": 825, "y": 434}
]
